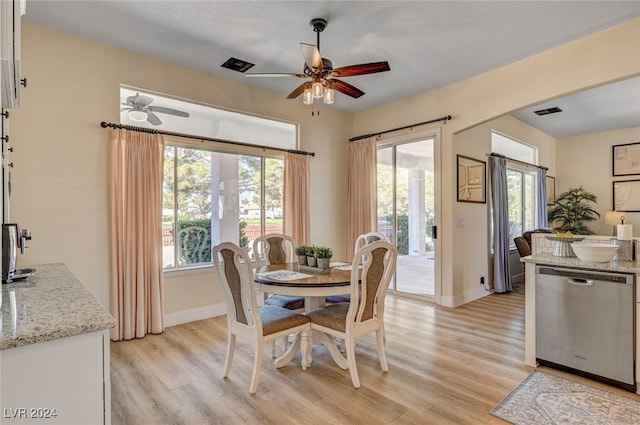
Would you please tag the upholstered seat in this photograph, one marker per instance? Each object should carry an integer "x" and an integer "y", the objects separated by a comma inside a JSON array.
[
  {"x": 371, "y": 271},
  {"x": 290, "y": 302},
  {"x": 245, "y": 319},
  {"x": 276, "y": 248}
]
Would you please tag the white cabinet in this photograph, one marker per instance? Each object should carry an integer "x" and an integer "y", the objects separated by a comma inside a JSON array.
[{"x": 64, "y": 381}]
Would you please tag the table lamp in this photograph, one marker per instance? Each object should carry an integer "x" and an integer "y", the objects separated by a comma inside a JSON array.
[{"x": 613, "y": 218}]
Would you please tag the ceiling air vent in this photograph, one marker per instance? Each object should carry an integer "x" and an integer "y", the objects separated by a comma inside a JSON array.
[
  {"x": 553, "y": 110},
  {"x": 237, "y": 65}
]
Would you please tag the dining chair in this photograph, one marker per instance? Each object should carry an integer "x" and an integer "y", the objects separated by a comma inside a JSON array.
[
  {"x": 371, "y": 271},
  {"x": 362, "y": 240},
  {"x": 276, "y": 248},
  {"x": 245, "y": 319}
]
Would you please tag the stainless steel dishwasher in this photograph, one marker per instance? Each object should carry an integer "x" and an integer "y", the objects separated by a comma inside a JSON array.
[{"x": 585, "y": 323}]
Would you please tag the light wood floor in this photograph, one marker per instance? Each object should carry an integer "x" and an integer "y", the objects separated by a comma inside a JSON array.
[{"x": 446, "y": 366}]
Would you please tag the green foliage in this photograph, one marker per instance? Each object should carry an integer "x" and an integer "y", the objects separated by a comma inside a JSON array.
[
  {"x": 244, "y": 240},
  {"x": 322, "y": 252},
  {"x": 311, "y": 250},
  {"x": 572, "y": 209},
  {"x": 301, "y": 250},
  {"x": 194, "y": 241}
]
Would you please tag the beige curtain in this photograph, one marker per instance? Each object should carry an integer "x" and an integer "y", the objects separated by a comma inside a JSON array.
[
  {"x": 136, "y": 166},
  {"x": 297, "y": 198},
  {"x": 362, "y": 191}
]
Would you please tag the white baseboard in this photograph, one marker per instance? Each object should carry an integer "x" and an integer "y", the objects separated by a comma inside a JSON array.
[
  {"x": 194, "y": 314},
  {"x": 461, "y": 299}
]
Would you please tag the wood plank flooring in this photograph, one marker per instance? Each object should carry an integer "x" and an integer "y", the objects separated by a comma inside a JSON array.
[{"x": 446, "y": 366}]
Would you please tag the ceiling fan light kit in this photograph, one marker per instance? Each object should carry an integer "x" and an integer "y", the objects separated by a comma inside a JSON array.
[
  {"x": 320, "y": 70},
  {"x": 135, "y": 115}
]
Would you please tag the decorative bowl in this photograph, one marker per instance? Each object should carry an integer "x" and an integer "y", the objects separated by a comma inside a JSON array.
[{"x": 594, "y": 252}]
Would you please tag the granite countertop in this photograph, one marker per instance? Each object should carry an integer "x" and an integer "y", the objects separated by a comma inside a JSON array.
[
  {"x": 50, "y": 304},
  {"x": 576, "y": 263}
]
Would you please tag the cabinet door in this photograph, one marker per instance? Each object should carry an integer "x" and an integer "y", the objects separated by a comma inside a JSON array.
[{"x": 56, "y": 382}]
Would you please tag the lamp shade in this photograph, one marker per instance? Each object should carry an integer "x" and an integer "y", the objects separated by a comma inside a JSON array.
[{"x": 612, "y": 218}]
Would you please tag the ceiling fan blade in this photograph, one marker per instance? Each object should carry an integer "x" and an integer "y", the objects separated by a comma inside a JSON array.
[
  {"x": 170, "y": 111},
  {"x": 140, "y": 99},
  {"x": 346, "y": 88},
  {"x": 298, "y": 91},
  {"x": 311, "y": 56},
  {"x": 362, "y": 69},
  {"x": 153, "y": 118},
  {"x": 274, "y": 74}
]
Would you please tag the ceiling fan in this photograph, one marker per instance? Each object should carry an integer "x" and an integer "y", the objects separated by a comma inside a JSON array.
[
  {"x": 322, "y": 74},
  {"x": 140, "y": 109}
]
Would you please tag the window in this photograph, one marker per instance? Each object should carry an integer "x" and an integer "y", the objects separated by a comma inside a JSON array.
[
  {"x": 521, "y": 183},
  {"x": 521, "y": 202},
  {"x": 213, "y": 196}
]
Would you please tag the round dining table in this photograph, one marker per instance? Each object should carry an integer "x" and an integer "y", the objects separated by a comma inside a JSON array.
[{"x": 292, "y": 279}]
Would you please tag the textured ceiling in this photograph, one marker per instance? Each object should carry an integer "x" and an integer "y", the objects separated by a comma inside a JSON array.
[{"x": 428, "y": 44}]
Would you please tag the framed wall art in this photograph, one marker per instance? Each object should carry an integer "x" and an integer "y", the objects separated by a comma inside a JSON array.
[
  {"x": 626, "y": 195},
  {"x": 471, "y": 180},
  {"x": 626, "y": 159},
  {"x": 551, "y": 190}
]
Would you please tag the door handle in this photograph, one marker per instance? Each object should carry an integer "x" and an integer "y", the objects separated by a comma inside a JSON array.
[{"x": 580, "y": 282}]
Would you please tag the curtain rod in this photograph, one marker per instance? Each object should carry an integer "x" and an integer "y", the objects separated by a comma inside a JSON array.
[
  {"x": 518, "y": 161},
  {"x": 191, "y": 136},
  {"x": 366, "y": 136}
]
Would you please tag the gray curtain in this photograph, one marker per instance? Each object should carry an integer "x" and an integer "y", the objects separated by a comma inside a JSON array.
[
  {"x": 541, "y": 199},
  {"x": 499, "y": 199}
]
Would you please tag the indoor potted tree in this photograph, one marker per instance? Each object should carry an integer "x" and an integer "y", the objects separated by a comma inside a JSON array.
[
  {"x": 323, "y": 256},
  {"x": 572, "y": 210}
]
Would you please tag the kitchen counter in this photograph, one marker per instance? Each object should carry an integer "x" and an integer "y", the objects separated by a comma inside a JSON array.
[
  {"x": 50, "y": 305},
  {"x": 576, "y": 263}
]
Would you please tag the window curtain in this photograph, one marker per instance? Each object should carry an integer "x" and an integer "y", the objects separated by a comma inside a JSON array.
[
  {"x": 541, "y": 199},
  {"x": 499, "y": 203},
  {"x": 296, "y": 214},
  {"x": 362, "y": 191},
  {"x": 136, "y": 167}
]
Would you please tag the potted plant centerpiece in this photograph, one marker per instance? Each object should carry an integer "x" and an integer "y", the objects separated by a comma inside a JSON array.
[
  {"x": 311, "y": 258},
  {"x": 323, "y": 256},
  {"x": 301, "y": 252}
]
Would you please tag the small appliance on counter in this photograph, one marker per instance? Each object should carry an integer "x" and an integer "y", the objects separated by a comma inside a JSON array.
[{"x": 14, "y": 239}]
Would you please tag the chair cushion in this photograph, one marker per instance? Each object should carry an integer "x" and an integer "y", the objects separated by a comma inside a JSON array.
[
  {"x": 332, "y": 316},
  {"x": 276, "y": 319},
  {"x": 334, "y": 299},
  {"x": 285, "y": 301}
]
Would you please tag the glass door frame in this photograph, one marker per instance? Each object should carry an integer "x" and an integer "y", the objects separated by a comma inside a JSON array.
[{"x": 391, "y": 142}]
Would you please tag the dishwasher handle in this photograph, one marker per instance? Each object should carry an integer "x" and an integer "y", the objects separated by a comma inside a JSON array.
[{"x": 580, "y": 282}]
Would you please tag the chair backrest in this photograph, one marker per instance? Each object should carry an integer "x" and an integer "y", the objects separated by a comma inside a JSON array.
[
  {"x": 274, "y": 248},
  {"x": 528, "y": 233},
  {"x": 367, "y": 238},
  {"x": 371, "y": 271},
  {"x": 523, "y": 247},
  {"x": 236, "y": 275}
]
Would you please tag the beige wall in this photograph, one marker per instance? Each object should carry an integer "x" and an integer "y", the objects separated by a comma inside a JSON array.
[
  {"x": 474, "y": 232},
  {"x": 586, "y": 161},
  {"x": 601, "y": 58},
  {"x": 59, "y": 183}
]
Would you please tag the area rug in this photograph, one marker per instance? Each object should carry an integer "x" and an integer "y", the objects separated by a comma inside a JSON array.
[{"x": 544, "y": 399}]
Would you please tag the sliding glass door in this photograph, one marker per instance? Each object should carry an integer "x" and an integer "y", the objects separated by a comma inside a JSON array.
[{"x": 406, "y": 212}]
